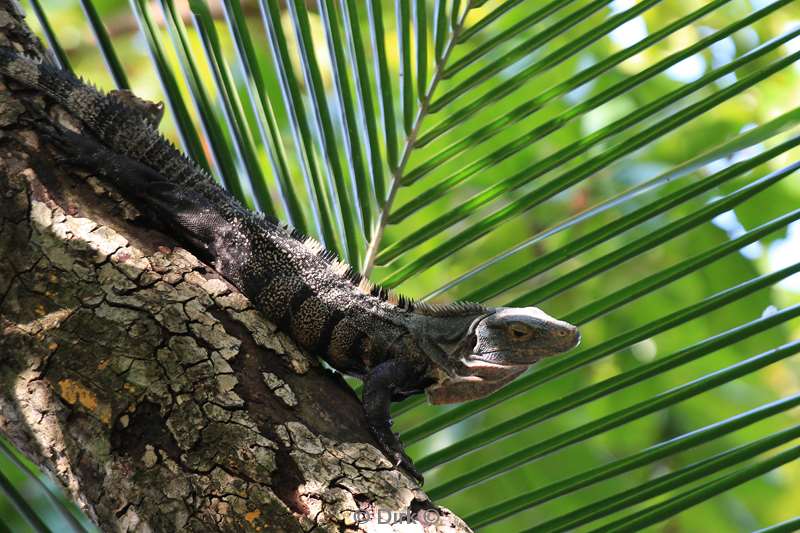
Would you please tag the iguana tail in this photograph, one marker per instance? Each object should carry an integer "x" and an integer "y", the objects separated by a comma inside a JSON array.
[
  {"x": 122, "y": 127},
  {"x": 80, "y": 98}
]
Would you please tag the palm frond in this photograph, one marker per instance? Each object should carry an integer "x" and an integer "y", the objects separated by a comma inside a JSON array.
[
  {"x": 476, "y": 149},
  {"x": 654, "y": 487},
  {"x": 31, "y": 502}
]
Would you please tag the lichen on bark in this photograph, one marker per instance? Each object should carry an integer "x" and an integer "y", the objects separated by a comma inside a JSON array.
[{"x": 147, "y": 386}]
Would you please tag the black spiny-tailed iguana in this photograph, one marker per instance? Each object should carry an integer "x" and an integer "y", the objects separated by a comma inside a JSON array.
[{"x": 454, "y": 353}]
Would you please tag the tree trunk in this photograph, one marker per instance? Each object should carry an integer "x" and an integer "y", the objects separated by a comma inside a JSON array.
[{"x": 147, "y": 385}]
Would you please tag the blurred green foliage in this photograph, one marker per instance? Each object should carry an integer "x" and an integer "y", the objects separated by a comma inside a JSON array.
[{"x": 768, "y": 499}]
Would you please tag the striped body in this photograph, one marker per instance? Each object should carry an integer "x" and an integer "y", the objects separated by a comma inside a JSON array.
[{"x": 317, "y": 301}]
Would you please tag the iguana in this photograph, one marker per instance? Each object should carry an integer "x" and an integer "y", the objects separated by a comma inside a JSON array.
[{"x": 398, "y": 347}]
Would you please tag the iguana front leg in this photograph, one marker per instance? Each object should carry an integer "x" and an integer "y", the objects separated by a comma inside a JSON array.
[{"x": 384, "y": 382}]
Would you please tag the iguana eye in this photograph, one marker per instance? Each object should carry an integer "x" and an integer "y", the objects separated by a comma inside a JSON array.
[{"x": 520, "y": 331}]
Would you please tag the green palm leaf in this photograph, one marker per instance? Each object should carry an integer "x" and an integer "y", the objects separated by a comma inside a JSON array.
[{"x": 536, "y": 156}]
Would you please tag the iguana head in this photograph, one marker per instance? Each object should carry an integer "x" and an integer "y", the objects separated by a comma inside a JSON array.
[{"x": 478, "y": 352}]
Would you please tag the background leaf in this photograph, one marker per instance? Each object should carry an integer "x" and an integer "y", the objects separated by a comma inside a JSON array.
[{"x": 629, "y": 166}]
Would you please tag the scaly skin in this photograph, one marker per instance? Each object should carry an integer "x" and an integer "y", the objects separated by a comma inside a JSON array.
[{"x": 456, "y": 352}]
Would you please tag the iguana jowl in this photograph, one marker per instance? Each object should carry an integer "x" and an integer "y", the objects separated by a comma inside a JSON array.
[{"x": 454, "y": 353}]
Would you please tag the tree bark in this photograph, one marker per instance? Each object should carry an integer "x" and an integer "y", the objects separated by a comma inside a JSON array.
[{"x": 147, "y": 385}]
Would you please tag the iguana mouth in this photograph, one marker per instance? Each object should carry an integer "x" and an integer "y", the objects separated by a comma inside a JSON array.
[
  {"x": 504, "y": 358},
  {"x": 484, "y": 370},
  {"x": 480, "y": 361}
]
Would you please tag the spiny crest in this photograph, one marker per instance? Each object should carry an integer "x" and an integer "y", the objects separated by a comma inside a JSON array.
[
  {"x": 185, "y": 159},
  {"x": 384, "y": 294},
  {"x": 344, "y": 270},
  {"x": 313, "y": 245},
  {"x": 11, "y": 54},
  {"x": 453, "y": 309},
  {"x": 90, "y": 84},
  {"x": 175, "y": 154},
  {"x": 300, "y": 236},
  {"x": 353, "y": 275}
]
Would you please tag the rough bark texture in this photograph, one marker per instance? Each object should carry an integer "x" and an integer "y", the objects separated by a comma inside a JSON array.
[{"x": 149, "y": 387}]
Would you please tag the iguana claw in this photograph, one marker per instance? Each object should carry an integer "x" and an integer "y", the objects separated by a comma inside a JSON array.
[
  {"x": 393, "y": 449},
  {"x": 404, "y": 462}
]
